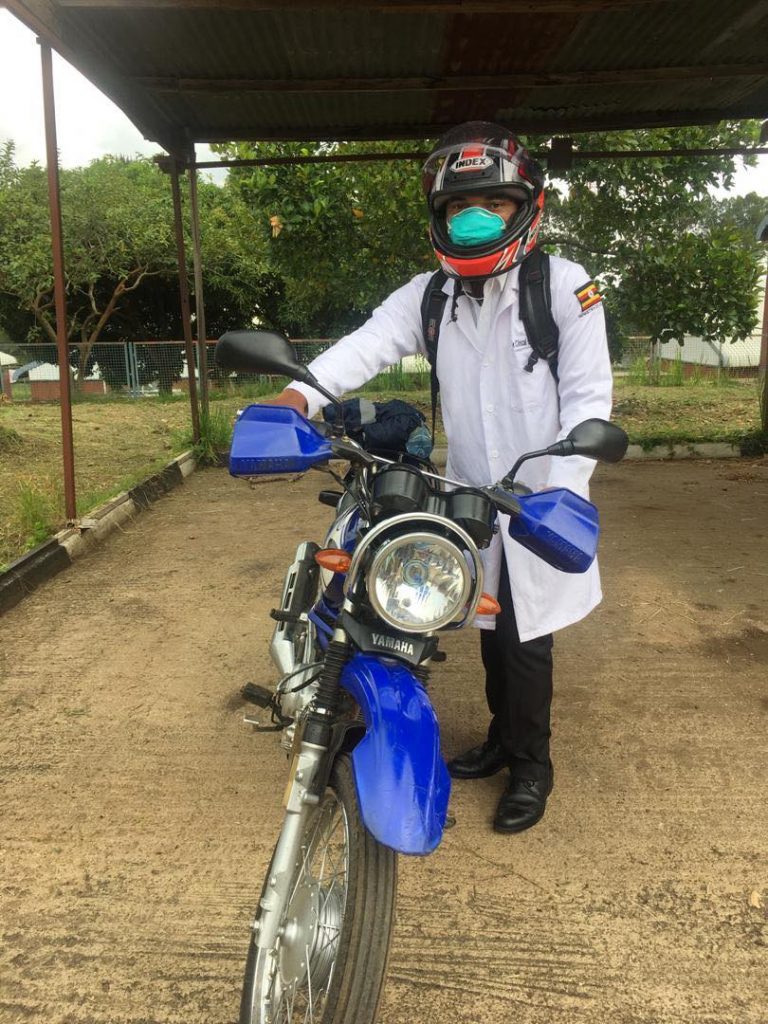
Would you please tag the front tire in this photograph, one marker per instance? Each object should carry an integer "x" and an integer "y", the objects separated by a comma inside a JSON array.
[{"x": 329, "y": 962}]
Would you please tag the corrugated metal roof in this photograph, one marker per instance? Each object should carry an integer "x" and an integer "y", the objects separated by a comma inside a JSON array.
[{"x": 200, "y": 70}]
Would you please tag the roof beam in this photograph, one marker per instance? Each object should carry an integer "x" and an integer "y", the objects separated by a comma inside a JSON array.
[
  {"x": 616, "y": 121},
  {"x": 385, "y": 6},
  {"x": 542, "y": 154},
  {"x": 457, "y": 83}
]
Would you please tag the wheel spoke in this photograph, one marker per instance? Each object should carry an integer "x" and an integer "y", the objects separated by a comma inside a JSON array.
[
  {"x": 309, "y": 984},
  {"x": 312, "y": 921},
  {"x": 299, "y": 876}
]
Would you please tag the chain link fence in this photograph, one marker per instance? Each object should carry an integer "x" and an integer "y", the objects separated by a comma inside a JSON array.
[
  {"x": 131, "y": 414},
  {"x": 126, "y": 369}
]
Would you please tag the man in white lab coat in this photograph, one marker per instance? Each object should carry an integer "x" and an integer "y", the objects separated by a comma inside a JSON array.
[{"x": 485, "y": 197}]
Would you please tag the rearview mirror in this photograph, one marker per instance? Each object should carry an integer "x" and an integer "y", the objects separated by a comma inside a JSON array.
[
  {"x": 596, "y": 439},
  {"x": 258, "y": 352},
  {"x": 265, "y": 352}
]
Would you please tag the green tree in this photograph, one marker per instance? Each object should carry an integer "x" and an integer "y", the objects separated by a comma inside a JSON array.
[
  {"x": 339, "y": 237},
  {"x": 741, "y": 215},
  {"x": 117, "y": 231},
  {"x": 673, "y": 261},
  {"x": 120, "y": 257}
]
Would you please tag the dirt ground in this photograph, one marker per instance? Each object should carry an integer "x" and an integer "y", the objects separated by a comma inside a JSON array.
[{"x": 138, "y": 812}]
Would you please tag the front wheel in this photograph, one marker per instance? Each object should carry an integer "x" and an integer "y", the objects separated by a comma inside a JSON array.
[{"x": 329, "y": 960}]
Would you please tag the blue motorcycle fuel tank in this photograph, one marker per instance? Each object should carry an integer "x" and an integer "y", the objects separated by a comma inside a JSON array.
[
  {"x": 401, "y": 779},
  {"x": 275, "y": 439},
  {"x": 559, "y": 526}
]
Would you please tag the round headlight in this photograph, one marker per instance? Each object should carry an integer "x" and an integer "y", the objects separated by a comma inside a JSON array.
[{"x": 419, "y": 582}]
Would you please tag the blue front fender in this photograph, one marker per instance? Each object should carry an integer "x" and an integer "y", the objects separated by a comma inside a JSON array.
[{"x": 402, "y": 782}]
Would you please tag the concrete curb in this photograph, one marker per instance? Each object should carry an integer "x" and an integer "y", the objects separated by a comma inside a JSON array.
[
  {"x": 49, "y": 558},
  {"x": 698, "y": 450}
]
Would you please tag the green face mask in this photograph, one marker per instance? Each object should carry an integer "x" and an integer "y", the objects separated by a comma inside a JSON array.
[{"x": 475, "y": 226}]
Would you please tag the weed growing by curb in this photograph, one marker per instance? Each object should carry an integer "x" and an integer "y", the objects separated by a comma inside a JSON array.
[{"x": 215, "y": 436}]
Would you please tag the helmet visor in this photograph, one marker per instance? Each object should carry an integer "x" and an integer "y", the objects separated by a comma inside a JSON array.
[{"x": 473, "y": 167}]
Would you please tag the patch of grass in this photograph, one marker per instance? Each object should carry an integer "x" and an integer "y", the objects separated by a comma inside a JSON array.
[
  {"x": 39, "y": 511},
  {"x": 10, "y": 439},
  {"x": 249, "y": 390},
  {"x": 675, "y": 374},
  {"x": 707, "y": 411},
  {"x": 647, "y": 372},
  {"x": 395, "y": 378}
]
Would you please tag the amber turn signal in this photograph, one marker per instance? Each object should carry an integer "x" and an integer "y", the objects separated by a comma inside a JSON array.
[
  {"x": 334, "y": 559},
  {"x": 488, "y": 605}
]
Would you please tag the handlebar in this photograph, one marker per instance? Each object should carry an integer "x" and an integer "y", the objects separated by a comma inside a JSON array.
[{"x": 503, "y": 499}]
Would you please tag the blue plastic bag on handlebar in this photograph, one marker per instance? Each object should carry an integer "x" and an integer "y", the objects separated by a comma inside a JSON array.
[
  {"x": 560, "y": 527},
  {"x": 275, "y": 439}
]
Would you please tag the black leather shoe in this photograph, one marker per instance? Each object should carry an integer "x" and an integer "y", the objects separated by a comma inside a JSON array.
[
  {"x": 522, "y": 804},
  {"x": 478, "y": 763}
]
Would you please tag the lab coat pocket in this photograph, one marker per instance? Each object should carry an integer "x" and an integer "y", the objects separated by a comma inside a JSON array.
[{"x": 529, "y": 387}]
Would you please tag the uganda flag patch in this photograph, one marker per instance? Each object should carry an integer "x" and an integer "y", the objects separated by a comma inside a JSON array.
[{"x": 588, "y": 296}]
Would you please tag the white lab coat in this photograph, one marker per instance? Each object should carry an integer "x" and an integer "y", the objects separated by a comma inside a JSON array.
[{"x": 494, "y": 411}]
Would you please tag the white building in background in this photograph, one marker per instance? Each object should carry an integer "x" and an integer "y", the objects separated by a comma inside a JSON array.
[
  {"x": 8, "y": 364},
  {"x": 50, "y": 371},
  {"x": 43, "y": 380},
  {"x": 733, "y": 355}
]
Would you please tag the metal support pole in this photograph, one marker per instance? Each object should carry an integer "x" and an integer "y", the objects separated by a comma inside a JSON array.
[
  {"x": 59, "y": 287},
  {"x": 197, "y": 266},
  {"x": 135, "y": 379},
  {"x": 763, "y": 368},
  {"x": 127, "y": 367},
  {"x": 186, "y": 319},
  {"x": 136, "y": 370}
]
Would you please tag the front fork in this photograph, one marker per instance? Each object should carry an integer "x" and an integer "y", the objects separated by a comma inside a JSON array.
[{"x": 310, "y": 767}]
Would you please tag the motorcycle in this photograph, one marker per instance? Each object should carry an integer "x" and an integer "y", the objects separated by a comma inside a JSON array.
[{"x": 356, "y": 630}]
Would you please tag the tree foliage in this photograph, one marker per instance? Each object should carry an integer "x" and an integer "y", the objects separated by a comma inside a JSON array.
[
  {"x": 673, "y": 259},
  {"x": 340, "y": 237},
  {"x": 313, "y": 248},
  {"x": 119, "y": 256}
]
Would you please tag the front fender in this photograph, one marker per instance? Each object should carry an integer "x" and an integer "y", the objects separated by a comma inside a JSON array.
[{"x": 402, "y": 782}]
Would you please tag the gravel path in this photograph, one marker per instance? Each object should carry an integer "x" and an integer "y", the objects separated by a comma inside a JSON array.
[{"x": 138, "y": 813}]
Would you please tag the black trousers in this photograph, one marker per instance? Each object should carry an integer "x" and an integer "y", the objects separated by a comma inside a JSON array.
[{"x": 518, "y": 687}]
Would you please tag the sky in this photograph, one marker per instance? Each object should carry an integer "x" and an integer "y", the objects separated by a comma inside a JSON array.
[{"x": 89, "y": 125}]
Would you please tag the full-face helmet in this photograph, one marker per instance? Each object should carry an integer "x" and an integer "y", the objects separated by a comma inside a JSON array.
[{"x": 471, "y": 159}]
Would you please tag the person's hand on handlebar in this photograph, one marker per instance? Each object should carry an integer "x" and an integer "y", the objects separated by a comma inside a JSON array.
[{"x": 293, "y": 399}]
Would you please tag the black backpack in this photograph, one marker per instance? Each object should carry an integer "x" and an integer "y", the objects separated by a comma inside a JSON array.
[{"x": 535, "y": 312}]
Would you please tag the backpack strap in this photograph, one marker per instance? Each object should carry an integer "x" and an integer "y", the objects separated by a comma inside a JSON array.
[
  {"x": 536, "y": 310},
  {"x": 432, "y": 306}
]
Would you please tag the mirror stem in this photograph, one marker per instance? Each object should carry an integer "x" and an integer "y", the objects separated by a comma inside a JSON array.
[
  {"x": 509, "y": 479},
  {"x": 564, "y": 447},
  {"x": 310, "y": 379}
]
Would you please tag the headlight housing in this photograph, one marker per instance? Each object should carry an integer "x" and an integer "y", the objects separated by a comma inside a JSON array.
[{"x": 419, "y": 582}]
